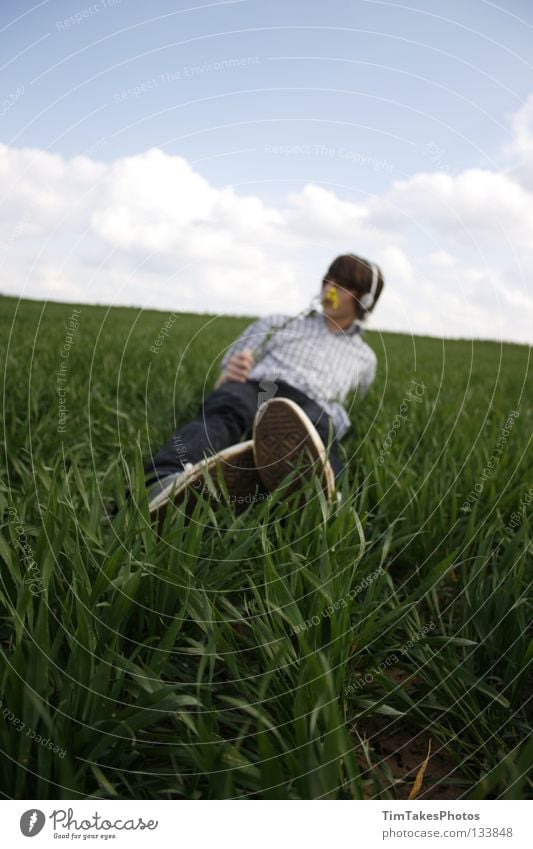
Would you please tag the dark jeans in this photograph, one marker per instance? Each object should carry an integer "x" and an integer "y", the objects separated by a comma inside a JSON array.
[{"x": 225, "y": 417}]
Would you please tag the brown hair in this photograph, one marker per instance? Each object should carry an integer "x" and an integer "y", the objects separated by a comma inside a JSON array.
[{"x": 355, "y": 273}]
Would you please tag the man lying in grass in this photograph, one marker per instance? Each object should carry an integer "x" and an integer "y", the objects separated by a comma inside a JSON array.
[{"x": 281, "y": 389}]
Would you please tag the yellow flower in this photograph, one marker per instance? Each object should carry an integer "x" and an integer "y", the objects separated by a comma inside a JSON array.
[{"x": 332, "y": 297}]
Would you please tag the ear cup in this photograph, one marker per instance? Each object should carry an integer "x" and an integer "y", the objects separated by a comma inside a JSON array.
[{"x": 366, "y": 301}]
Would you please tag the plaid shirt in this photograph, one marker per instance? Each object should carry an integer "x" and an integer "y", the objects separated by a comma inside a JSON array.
[{"x": 326, "y": 366}]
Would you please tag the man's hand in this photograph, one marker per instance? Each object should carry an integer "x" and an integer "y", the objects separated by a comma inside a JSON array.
[{"x": 237, "y": 368}]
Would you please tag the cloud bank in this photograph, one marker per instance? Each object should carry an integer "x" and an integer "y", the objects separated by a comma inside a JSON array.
[{"x": 149, "y": 230}]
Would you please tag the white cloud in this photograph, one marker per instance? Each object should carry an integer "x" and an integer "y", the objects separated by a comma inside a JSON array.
[
  {"x": 442, "y": 259},
  {"x": 147, "y": 201},
  {"x": 398, "y": 265},
  {"x": 150, "y": 230},
  {"x": 468, "y": 209},
  {"x": 145, "y": 229},
  {"x": 520, "y": 150},
  {"x": 318, "y": 213}
]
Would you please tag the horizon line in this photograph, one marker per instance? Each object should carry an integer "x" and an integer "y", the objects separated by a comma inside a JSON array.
[{"x": 253, "y": 318}]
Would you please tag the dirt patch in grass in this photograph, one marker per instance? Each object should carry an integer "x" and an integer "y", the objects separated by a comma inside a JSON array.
[{"x": 401, "y": 749}]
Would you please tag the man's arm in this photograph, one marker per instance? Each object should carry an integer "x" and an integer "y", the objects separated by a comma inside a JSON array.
[
  {"x": 252, "y": 337},
  {"x": 358, "y": 390},
  {"x": 238, "y": 367},
  {"x": 238, "y": 360},
  {"x": 368, "y": 375}
]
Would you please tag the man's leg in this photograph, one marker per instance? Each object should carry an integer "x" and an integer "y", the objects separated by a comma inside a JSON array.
[
  {"x": 319, "y": 418},
  {"x": 226, "y": 416}
]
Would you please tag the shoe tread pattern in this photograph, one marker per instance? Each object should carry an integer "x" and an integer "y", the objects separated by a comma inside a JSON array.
[{"x": 283, "y": 440}]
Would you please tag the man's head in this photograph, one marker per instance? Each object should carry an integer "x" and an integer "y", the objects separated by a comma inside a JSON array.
[{"x": 348, "y": 279}]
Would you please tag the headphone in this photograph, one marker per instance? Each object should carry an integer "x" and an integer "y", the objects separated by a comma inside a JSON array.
[{"x": 366, "y": 301}]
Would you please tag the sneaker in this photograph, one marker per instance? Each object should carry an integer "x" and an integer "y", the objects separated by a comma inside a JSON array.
[
  {"x": 284, "y": 439},
  {"x": 159, "y": 492},
  {"x": 235, "y": 464}
]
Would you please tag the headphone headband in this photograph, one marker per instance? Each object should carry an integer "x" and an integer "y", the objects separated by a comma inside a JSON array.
[{"x": 366, "y": 301}]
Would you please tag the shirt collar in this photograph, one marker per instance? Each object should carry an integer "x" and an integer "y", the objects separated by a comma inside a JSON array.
[{"x": 353, "y": 329}]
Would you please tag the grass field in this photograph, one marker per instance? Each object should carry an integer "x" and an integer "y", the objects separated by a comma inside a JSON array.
[{"x": 281, "y": 653}]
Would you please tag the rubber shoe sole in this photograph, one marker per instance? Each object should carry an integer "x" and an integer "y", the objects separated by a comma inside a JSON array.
[
  {"x": 285, "y": 439},
  {"x": 235, "y": 465}
]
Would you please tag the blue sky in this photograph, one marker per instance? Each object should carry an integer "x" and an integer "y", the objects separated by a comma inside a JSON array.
[{"x": 216, "y": 157}]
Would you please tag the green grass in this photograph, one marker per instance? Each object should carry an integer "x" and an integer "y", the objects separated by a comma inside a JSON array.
[{"x": 220, "y": 661}]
